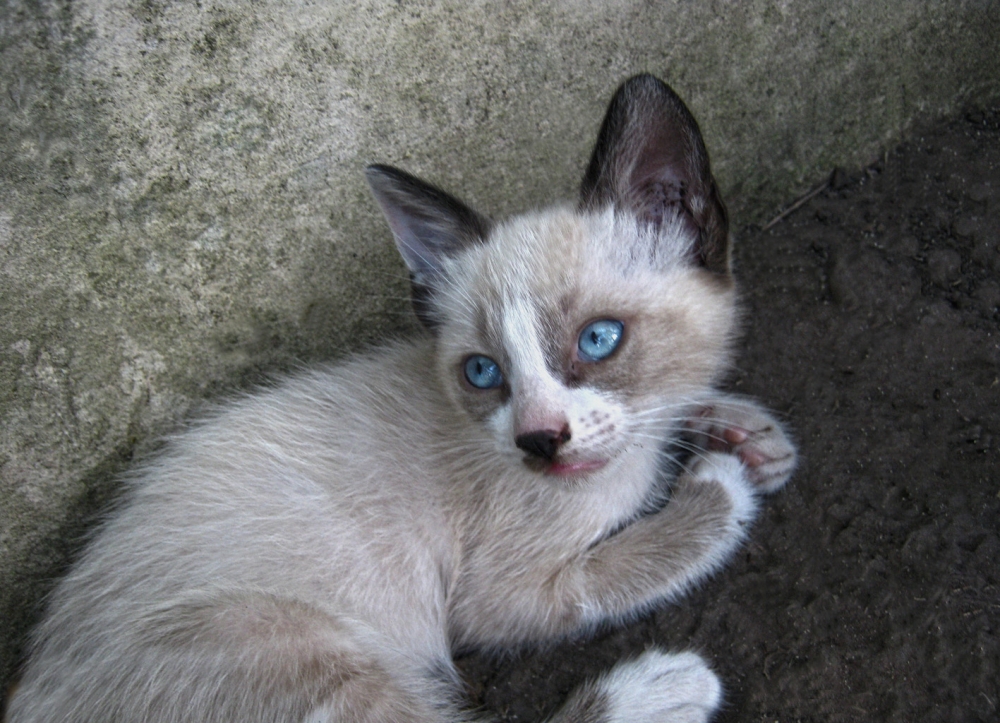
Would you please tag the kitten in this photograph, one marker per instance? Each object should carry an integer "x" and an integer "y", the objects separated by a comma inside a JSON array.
[{"x": 316, "y": 551}]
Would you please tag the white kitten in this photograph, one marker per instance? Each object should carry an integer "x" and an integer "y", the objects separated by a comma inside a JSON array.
[{"x": 315, "y": 551}]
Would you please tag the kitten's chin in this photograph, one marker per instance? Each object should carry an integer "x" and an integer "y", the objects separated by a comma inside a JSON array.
[{"x": 574, "y": 469}]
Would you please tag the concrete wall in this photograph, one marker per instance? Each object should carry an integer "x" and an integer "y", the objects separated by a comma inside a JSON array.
[{"x": 182, "y": 205}]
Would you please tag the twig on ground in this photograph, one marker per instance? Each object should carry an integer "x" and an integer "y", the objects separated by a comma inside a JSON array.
[{"x": 798, "y": 204}]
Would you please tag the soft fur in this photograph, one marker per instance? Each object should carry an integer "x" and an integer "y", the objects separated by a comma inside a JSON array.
[{"x": 316, "y": 551}]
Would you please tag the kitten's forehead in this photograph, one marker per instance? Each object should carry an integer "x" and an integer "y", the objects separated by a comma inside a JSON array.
[
  {"x": 546, "y": 253},
  {"x": 533, "y": 254},
  {"x": 561, "y": 257}
]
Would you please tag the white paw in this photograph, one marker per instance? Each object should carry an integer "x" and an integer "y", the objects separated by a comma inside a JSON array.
[
  {"x": 744, "y": 429},
  {"x": 730, "y": 472},
  {"x": 661, "y": 688}
]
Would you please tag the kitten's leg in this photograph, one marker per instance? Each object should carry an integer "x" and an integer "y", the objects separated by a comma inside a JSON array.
[
  {"x": 661, "y": 555},
  {"x": 218, "y": 658},
  {"x": 743, "y": 428},
  {"x": 656, "y": 687},
  {"x": 653, "y": 559}
]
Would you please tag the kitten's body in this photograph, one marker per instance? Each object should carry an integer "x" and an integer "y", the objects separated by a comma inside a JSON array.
[{"x": 317, "y": 550}]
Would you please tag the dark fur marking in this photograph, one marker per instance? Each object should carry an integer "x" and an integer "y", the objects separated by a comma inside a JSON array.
[{"x": 649, "y": 159}]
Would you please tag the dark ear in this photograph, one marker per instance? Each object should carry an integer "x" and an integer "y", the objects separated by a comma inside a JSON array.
[
  {"x": 650, "y": 159},
  {"x": 428, "y": 225}
]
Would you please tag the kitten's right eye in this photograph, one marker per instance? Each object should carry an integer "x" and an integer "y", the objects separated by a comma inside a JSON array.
[
  {"x": 482, "y": 372},
  {"x": 599, "y": 339}
]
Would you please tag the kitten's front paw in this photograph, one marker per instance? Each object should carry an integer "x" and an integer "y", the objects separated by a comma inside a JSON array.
[{"x": 750, "y": 433}]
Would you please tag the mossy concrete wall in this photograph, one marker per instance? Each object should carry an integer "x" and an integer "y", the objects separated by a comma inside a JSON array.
[{"x": 182, "y": 207}]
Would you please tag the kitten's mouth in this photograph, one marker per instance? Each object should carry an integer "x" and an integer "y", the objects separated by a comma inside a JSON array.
[
  {"x": 557, "y": 468},
  {"x": 572, "y": 469}
]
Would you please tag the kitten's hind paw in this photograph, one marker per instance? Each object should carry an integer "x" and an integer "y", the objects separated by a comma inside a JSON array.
[
  {"x": 744, "y": 429},
  {"x": 656, "y": 687}
]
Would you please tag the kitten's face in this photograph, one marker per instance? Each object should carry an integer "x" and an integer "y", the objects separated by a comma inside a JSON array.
[{"x": 575, "y": 338}]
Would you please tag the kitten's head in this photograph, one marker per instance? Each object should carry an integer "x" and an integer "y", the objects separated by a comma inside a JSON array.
[{"x": 574, "y": 335}]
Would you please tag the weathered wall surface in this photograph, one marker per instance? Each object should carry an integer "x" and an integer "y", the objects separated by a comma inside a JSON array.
[{"x": 182, "y": 204}]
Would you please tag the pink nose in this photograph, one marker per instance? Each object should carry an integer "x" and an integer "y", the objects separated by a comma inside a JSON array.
[{"x": 543, "y": 443}]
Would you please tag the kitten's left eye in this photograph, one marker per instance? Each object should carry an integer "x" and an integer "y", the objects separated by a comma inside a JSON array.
[
  {"x": 599, "y": 339},
  {"x": 482, "y": 372}
]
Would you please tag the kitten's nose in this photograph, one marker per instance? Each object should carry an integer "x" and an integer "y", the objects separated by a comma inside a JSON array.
[{"x": 544, "y": 442}]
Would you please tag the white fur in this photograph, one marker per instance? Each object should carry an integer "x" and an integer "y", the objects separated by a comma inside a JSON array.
[
  {"x": 661, "y": 687},
  {"x": 726, "y": 470}
]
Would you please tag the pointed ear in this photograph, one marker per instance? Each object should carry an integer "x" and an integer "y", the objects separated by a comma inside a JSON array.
[
  {"x": 651, "y": 160},
  {"x": 428, "y": 224}
]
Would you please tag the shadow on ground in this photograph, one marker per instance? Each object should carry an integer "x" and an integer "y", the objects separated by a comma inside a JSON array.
[{"x": 869, "y": 589}]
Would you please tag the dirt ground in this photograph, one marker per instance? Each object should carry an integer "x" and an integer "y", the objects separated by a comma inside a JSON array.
[{"x": 869, "y": 589}]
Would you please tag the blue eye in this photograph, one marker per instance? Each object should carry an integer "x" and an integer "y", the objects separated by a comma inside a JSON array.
[
  {"x": 482, "y": 372},
  {"x": 599, "y": 339}
]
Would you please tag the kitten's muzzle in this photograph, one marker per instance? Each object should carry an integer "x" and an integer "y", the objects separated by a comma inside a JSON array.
[{"x": 544, "y": 443}]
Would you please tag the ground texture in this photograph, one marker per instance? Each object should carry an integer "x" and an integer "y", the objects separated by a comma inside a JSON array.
[{"x": 870, "y": 589}]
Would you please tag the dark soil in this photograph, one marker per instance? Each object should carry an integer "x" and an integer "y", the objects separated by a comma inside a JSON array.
[{"x": 870, "y": 588}]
